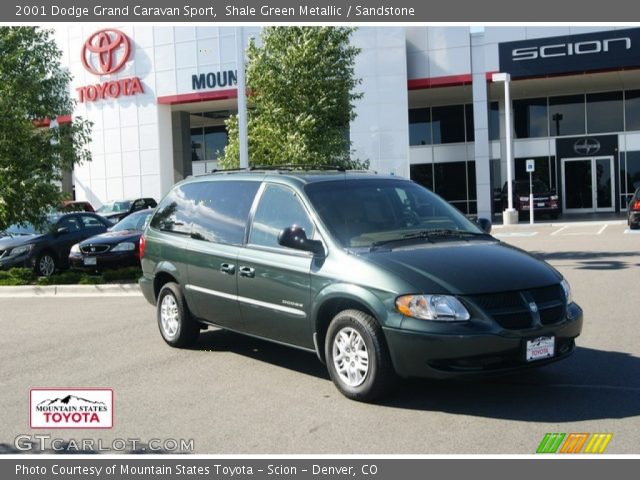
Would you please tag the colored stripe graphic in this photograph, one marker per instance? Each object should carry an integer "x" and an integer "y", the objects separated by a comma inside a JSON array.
[
  {"x": 574, "y": 443},
  {"x": 598, "y": 443},
  {"x": 550, "y": 443}
]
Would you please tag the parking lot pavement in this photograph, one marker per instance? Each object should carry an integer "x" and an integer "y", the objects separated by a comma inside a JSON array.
[{"x": 235, "y": 394}]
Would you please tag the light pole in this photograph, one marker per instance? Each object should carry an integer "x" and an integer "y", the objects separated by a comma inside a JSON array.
[
  {"x": 509, "y": 216},
  {"x": 242, "y": 100}
]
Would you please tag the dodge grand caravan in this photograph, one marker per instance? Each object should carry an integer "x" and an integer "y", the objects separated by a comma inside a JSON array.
[{"x": 375, "y": 274}]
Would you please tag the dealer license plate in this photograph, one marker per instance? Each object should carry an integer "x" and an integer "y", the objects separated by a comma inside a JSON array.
[
  {"x": 541, "y": 347},
  {"x": 90, "y": 261}
]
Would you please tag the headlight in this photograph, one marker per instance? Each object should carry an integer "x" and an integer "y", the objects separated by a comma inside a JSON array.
[
  {"x": 21, "y": 250},
  {"x": 75, "y": 248},
  {"x": 441, "y": 308},
  {"x": 124, "y": 247},
  {"x": 567, "y": 290}
]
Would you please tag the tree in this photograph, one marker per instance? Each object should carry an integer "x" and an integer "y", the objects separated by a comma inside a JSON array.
[
  {"x": 300, "y": 85},
  {"x": 33, "y": 88}
]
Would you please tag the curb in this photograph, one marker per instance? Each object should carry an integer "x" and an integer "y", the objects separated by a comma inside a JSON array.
[
  {"x": 561, "y": 224},
  {"x": 115, "y": 290}
]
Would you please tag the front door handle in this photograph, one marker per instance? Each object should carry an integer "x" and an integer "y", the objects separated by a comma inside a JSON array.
[
  {"x": 228, "y": 268},
  {"x": 247, "y": 272}
]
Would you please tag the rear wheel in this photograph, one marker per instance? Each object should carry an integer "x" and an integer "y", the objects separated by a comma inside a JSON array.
[
  {"x": 176, "y": 325},
  {"x": 357, "y": 356}
]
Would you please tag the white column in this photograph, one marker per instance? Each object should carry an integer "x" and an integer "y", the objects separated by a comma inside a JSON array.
[{"x": 242, "y": 99}]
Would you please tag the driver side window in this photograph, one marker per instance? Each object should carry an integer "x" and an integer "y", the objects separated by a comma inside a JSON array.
[{"x": 279, "y": 208}]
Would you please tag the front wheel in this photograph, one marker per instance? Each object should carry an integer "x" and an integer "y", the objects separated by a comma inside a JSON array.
[
  {"x": 357, "y": 356},
  {"x": 177, "y": 327}
]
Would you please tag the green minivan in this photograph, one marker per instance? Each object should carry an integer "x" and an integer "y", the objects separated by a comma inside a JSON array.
[{"x": 377, "y": 275}]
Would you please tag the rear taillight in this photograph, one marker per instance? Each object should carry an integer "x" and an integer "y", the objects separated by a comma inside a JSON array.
[
  {"x": 141, "y": 249},
  {"x": 635, "y": 206}
]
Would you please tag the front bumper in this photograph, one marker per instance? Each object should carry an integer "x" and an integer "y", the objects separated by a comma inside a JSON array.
[
  {"x": 104, "y": 261},
  {"x": 442, "y": 355},
  {"x": 21, "y": 261}
]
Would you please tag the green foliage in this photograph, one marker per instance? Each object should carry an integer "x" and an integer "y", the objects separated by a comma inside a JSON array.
[
  {"x": 301, "y": 91},
  {"x": 26, "y": 276},
  {"x": 34, "y": 87}
]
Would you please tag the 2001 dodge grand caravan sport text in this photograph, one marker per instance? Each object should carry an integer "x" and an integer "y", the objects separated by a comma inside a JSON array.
[{"x": 376, "y": 274}]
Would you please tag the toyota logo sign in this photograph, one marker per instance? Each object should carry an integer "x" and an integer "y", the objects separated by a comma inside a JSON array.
[
  {"x": 586, "y": 146},
  {"x": 105, "y": 51}
]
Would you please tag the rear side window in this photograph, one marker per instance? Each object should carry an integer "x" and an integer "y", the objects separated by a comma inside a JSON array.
[
  {"x": 222, "y": 209},
  {"x": 177, "y": 211},
  {"x": 279, "y": 208}
]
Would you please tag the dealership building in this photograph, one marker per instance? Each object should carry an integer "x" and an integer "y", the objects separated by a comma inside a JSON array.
[{"x": 431, "y": 110}]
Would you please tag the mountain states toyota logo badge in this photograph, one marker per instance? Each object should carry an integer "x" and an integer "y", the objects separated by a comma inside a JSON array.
[
  {"x": 105, "y": 51},
  {"x": 71, "y": 408}
]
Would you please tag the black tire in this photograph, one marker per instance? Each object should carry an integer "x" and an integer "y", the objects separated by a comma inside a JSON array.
[
  {"x": 379, "y": 376},
  {"x": 185, "y": 332},
  {"x": 46, "y": 264},
  {"x": 634, "y": 226}
]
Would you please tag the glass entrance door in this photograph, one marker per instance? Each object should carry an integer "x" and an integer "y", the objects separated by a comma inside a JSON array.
[{"x": 588, "y": 185}]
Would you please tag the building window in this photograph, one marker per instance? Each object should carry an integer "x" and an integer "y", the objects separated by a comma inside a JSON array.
[
  {"x": 423, "y": 174},
  {"x": 530, "y": 118},
  {"x": 448, "y": 124},
  {"x": 468, "y": 122},
  {"x": 604, "y": 112},
  {"x": 494, "y": 121},
  {"x": 545, "y": 170},
  {"x": 632, "y": 110},
  {"x": 629, "y": 176},
  {"x": 208, "y": 135},
  {"x": 566, "y": 115},
  {"x": 420, "y": 126}
]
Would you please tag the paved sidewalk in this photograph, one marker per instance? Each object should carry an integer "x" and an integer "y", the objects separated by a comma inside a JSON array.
[{"x": 113, "y": 290}]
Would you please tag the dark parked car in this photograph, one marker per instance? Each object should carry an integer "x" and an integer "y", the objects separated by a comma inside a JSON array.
[
  {"x": 633, "y": 212},
  {"x": 76, "y": 206},
  {"x": 47, "y": 248},
  {"x": 119, "y": 247},
  {"x": 117, "y": 210},
  {"x": 545, "y": 199},
  {"x": 375, "y": 274}
]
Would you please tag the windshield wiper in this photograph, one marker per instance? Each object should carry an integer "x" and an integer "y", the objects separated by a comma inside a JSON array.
[
  {"x": 428, "y": 235},
  {"x": 444, "y": 232}
]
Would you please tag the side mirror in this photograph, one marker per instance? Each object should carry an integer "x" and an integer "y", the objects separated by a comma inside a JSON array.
[
  {"x": 485, "y": 224},
  {"x": 295, "y": 237},
  {"x": 62, "y": 230}
]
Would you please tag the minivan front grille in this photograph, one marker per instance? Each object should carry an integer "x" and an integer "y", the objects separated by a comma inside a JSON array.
[{"x": 513, "y": 310}]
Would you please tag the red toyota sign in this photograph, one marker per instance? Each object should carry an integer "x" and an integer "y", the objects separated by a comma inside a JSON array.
[{"x": 106, "y": 52}]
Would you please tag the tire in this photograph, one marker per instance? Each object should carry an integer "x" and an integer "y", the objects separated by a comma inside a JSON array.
[
  {"x": 45, "y": 265},
  {"x": 634, "y": 226},
  {"x": 368, "y": 378},
  {"x": 176, "y": 325}
]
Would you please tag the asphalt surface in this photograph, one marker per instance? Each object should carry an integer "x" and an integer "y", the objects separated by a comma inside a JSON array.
[{"x": 233, "y": 394}]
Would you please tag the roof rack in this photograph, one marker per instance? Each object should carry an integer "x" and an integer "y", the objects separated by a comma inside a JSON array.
[{"x": 285, "y": 167}]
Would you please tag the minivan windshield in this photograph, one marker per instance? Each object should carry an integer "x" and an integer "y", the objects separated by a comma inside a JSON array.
[{"x": 366, "y": 213}]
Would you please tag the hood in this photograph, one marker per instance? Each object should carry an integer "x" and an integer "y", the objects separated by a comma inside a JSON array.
[
  {"x": 465, "y": 268},
  {"x": 11, "y": 242},
  {"x": 112, "y": 238}
]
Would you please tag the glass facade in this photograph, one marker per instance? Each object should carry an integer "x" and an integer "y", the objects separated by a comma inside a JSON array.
[
  {"x": 632, "y": 109},
  {"x": 629, "y": 176},
  {"x": 605, "y": 112},
  {"x": 208, "y": 135},
  {"x": 453, "y": 181},
  {"x": 545, "y": 170},
  {"x": 439, "y": 125},
  {"x": 566, "y": 115},
  {"x": 530, "y": 118}
]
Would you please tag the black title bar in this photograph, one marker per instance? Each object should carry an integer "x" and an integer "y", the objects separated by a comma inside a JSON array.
[{"x": 320, "y": 11}]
